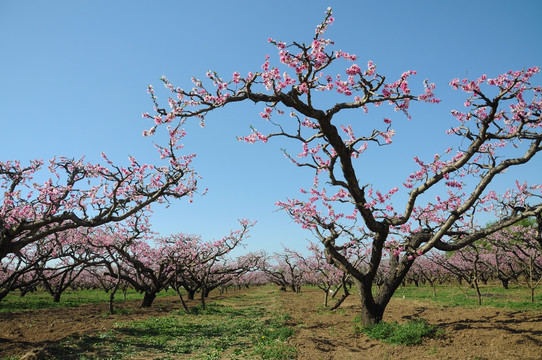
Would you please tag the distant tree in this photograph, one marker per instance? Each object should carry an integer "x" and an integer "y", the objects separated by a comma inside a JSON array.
[
  {"x": 284, "y": 269},
  {"x": 428, "y": 270},
  {"x": 522, "y": 244},
  {"x": 466, "y": 265},
  {"x": 202, "y": 265},
  {"x": 131, "y": 257},
  {"x": 317, "y": 271},
  {"x": 499, "y": 131}
]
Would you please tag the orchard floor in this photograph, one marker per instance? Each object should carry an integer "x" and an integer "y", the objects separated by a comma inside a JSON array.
[
  {"x": 476, "y": 333},
  {"x": 27, "y": 332},
  {"x": 467, "y": 333}
]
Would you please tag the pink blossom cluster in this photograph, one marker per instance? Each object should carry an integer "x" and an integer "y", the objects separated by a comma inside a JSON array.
[
  {"x": 253, "y": 137},
  {"x": 307, "y": 214}
]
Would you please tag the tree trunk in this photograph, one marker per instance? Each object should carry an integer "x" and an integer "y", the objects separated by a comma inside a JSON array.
[
  {"x": 371, "y": 313},
  {"x": 190, "y": 294},
  {"x": 203, "y": 305},
  {"x": 183, "y": 303},
  {"x": 476, "y": 277},
  {"x": 336, "y": 291},
  {"x": 434, "y": 286},
  {"x": 56, "y": 296},
  {"x": 504, "y": 282},
  {"x": 148, "y": 299},
  {"x": 345, "y": 295},
  {"x": 111, "y": 298},
  {"x": 478, "y": 293},
  {"x": 340, "y": 301}
]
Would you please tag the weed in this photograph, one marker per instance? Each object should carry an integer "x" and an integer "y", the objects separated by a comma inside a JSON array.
[
  {"x": 270, "y": 341},
  {"x": 285, "y": 317},
  {"x": 409, "y": 333}
]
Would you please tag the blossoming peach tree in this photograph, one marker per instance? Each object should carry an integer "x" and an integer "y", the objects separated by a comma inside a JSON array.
[
  {"x": 78, "y": 194},
  {"x": 499, "y": 129}
]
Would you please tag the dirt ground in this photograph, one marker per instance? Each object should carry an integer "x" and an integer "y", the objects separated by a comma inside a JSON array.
[
  {"x": 468, "y": 333},
  {"x": 24, "y": 333}
]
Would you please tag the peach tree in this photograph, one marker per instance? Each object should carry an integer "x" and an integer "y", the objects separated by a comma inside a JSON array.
[
  {"x": 40, "y": 199},
  {"x": 498, "y": 130}
]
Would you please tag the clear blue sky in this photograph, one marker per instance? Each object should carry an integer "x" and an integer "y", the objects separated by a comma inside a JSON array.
[{"x": 74, "y": 75}]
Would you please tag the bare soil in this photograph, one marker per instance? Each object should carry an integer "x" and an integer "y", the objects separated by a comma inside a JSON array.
[{"x": 467, "y": 333}]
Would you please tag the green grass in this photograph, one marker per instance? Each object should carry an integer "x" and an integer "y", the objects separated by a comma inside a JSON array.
[
  {"x": 43, "y": 300},
  {"x": 515, "y": 298},
  {"x": 409, "y": 333},
  {"x": 246, "y": 327}
]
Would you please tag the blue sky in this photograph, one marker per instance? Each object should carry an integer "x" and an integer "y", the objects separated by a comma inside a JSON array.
[{"x": 74, "y": 76}]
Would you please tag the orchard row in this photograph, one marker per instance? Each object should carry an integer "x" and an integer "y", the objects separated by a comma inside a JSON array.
[{"x": 118, "y": 257}]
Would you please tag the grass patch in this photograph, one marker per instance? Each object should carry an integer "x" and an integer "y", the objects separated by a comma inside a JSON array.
[
  {"x": 43, "y": 300},
  {"x": 270, "y": 339},
  {"x": 409, "y": 333},
  {"x": 516, "y": 297},
  {"x": 249, "y": 329}
]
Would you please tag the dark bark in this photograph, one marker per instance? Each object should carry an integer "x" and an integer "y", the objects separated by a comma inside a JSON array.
[
  {"x": 148, "y": 299},
  {"x": 56, "y": 296},
  {"x": 112, "y": 296},
  {"x": 346, "y": 293},
  {"x": 371, "y": 312},
  {"x": 203, "y": 305},
  {"x": 190, "y": 294},
  {"x": 340, "y": 301},
  {"x": 183, "y": 303},
  {"x": 504, "y": 282}
]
